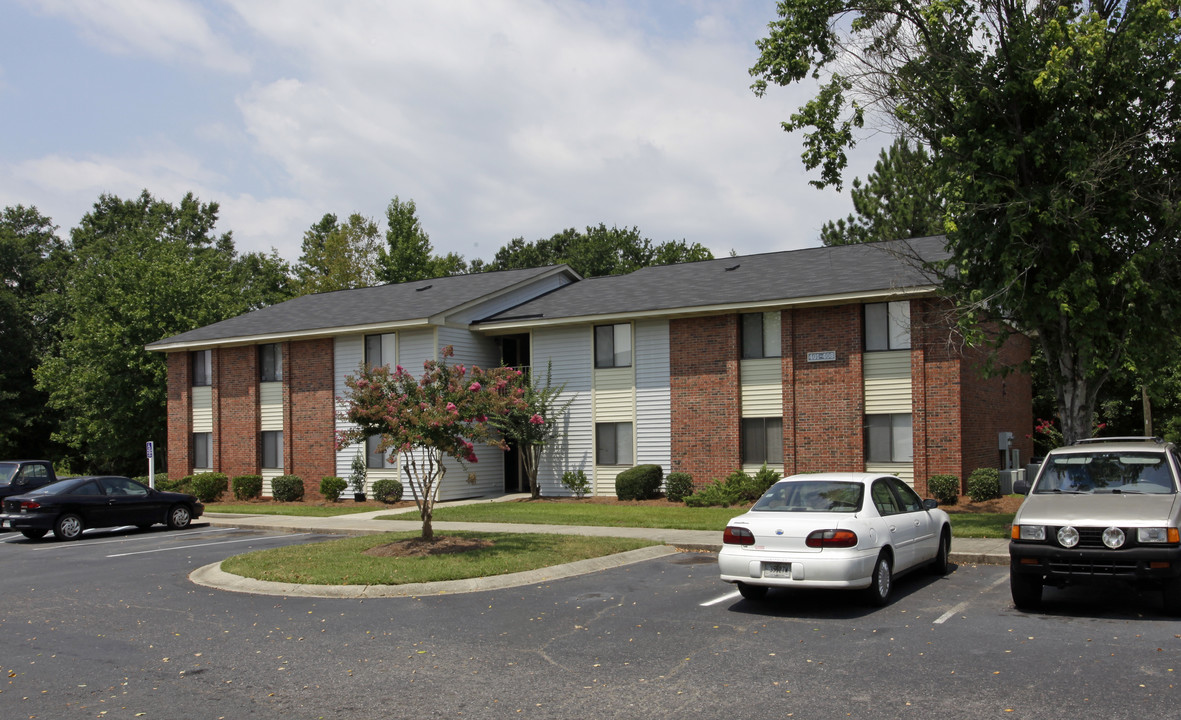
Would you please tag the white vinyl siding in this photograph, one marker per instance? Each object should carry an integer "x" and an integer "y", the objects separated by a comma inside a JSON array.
[
  {"x": 348, "y": 355},
  {"x": 571, "y": 351},
  {"x": 470, "y": 348},
  {"x": 416, "y": 347},
  {"x": 615, "y": 395},
  {"x": 888, "y": 387},
  {"x": 653, "y": 403},
  {"x": 267, "y": 476},
  {"x": 507, "y": 300},
  {"x": 202, "y": 409},
  {"x": 270, "y": 406},
  {"x": 761, "y": 386},
  {"x": 903, "y": 471}
]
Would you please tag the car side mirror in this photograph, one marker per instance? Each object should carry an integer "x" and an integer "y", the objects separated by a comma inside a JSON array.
[
  {"x": 1021, "y": 487},
  {"x": 930, "y": 504}
]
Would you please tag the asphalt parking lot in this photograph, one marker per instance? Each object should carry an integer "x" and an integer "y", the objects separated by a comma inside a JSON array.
[{"x": 111, "y": 627}]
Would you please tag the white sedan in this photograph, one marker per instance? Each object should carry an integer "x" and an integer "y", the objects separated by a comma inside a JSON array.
[{"x": 834, "y": 530}]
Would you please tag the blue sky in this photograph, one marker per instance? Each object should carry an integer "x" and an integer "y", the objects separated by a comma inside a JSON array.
[{"x": 499, "y": 119}]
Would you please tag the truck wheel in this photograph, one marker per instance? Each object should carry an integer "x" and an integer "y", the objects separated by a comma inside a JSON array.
[
  {"x": 68, "y": 527},
  {"x": 1026, "y": 590},
  {"x": 1172, "y": 594}
]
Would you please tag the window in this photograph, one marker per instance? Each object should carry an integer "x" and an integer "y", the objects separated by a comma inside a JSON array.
[
  {"x": 374, "y": 458},
  {"x": 762, "y": 441},
  {"x": 613, "y": 443},
  {"x": 380, "y": 350},
  {"x": 613, "y": 345},
  {"x": 760, "y": 335},
  {"x": 270, "y": 363},
  {"x": 888, "y": 438},
  {"x": 203, "y": 450},
  {"x": 892, "y": 496},
  {"x": 887, "y": 326},
  {"x": 202, "y": 368},
  {"x": 272, "y": 449}
]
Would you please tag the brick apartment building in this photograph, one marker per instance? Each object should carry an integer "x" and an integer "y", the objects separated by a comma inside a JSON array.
[{"x": 820, "y": 359}]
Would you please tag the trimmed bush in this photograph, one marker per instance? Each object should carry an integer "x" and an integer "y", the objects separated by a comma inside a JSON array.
[
  {"x": 287, "y": 488},
  {"x": 945, "y": 488},
  {"x": 576, "y": 482},
  {"x": 246, "y": 487},
  {"x": 387, "y": 490},
  {"x": 716, "y": 494},
  {"x": 984, "y": 484},
  {"x": 641, "y": 482},
  {"x": 331, "y": 487},
  {"x": 180, "y": 485},
  {"x": 763, "y": 480},
  {"x": 208, "y": 487},
  {"x": 678, "y": 486}
]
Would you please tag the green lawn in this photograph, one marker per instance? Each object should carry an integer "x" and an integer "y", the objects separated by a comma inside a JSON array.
[
  {"x": 343, "y": 562},
  {"x": 677, "y": 517},
  {"x": 285, "y": 509},
  {"x": 980, "y": 525}
]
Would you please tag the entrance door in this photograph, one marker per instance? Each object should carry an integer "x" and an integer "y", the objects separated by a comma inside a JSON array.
[{"x": 514, "y": 471}]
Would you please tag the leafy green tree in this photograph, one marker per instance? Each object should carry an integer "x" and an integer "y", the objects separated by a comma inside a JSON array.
[
  {"x": 143, "y": 269},
  {"x": 33, "y": 267},
  {"x": 596, "y": 252},
  {"x": 408, "y": 254},
  {"x": 444, "y": 413},
  {"x": 339, "y": 256},
  {"x": 1054, "y": 126},
  {"x": 899, "y": 199}
]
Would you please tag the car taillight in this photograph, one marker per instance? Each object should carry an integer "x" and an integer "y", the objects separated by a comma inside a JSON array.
[
  {"x": 738, "y": 536},
  {"x": 29, "y": 505},
  {"x": 831, "y": 539}
]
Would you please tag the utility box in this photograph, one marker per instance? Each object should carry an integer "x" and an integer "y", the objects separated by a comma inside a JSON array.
[{"x": 1011, "y": 479}]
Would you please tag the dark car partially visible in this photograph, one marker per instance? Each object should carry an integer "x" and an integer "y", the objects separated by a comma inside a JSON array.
[{"x": 68, "y": 507}]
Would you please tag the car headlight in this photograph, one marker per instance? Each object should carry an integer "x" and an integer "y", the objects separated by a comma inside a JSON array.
[
  {"x": 1156, "y": 535},
  {"x": 1068, "y": 537},
  {"x": 1031, "y": 533},
  {"x": 1113, "y": 538}
]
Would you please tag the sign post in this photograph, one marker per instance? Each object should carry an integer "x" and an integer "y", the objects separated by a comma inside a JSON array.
[{"x": 151, "y": 464}]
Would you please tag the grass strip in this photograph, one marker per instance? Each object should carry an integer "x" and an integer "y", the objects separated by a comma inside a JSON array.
[
  {"x": 293, "y": 509},
  {"x": 981, "y": 525},
  {"x": 342, "y": 562},
  {"x": 568, "y": 513}
]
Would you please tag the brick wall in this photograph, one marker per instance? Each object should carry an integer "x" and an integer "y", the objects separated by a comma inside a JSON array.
[
  {"x": 308, "y": 404},
  {"x": 236, "y": 449},
  {"x": 996, "y": 404},
  {"x": 703, "y": 360},
  {"x": 180, "y": 415},
  {"x": 828, "y": 398}
]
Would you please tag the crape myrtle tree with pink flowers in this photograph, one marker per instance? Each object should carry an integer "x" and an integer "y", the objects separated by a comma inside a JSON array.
[{"x": 445, "y": 413}]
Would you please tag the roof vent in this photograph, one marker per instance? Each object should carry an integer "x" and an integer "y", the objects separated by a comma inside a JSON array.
[
  {"x": 424, "y": 287},
  {"x": 733, "y": 267}
]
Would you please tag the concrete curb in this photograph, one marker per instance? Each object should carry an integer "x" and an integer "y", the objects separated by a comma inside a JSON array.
[{"x": 213, "y": 576}]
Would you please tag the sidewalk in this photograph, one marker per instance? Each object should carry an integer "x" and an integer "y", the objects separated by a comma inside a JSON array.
[{"x": 964, "y": 551}]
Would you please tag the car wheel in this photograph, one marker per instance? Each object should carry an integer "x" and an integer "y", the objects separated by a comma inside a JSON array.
[
  {"x": 940, "y": 565},
  {"x": 179, "y": 517},
  {"x": 1172, "y": 596},
  {"x": 752, "y": 592},
  {"x": 68, "y": 527},
  {"x": 34, "y": 533},
  {"x": 882, "y": 581},
  {"x": 1026, "y": 590}
]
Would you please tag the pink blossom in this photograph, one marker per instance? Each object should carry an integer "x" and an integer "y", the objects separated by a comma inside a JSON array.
[
  {"x": 537, "y": 419},
  {"x": 474, "y": 387}
]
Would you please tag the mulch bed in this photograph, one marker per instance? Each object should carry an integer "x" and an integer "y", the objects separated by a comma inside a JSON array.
[{"x": 438, "y": 545}]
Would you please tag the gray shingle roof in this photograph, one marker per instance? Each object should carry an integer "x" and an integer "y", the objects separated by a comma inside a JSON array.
[
  {"x": 362, "y": 306},
  {"x": 750, "y": 279}
]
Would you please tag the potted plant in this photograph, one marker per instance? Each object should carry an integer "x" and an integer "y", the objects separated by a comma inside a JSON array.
[{"x": 357, "y": 477}]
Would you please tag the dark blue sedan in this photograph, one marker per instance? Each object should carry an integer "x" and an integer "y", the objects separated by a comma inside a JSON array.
[{"x": 68, "y": 507}]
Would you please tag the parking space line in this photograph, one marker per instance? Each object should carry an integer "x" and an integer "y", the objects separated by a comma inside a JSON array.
[
  {"x": 960, "y": 606},
  {"x": 188, "y": 547},
  {"x": 722, "y": 599},
  {"x": 62, "y": 546}
]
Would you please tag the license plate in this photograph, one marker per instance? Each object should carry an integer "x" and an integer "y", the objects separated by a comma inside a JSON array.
[{"x": 777, "y": 570}]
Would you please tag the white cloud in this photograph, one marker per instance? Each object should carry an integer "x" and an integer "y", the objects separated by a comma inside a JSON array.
[{"x": 171, "y": 30}]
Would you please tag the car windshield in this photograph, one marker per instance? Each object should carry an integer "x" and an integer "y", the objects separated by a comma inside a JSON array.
[
  {"x": 7, "y": 470},
  {"x": 811, "y": 496},
  {"x": 1106, "y": 472}
]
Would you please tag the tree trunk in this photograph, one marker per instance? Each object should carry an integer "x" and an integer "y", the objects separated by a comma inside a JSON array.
[
  {"x": 529, "y": 457},
  {"x": 1147, "y": 410}
]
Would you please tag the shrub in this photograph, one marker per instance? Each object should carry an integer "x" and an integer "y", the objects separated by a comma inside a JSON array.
[
  {"x": 387, "y": 490},
  {"x": 246, "y": 487},
  {"x": 331, "y": 487},
  {"x": 208, "y": 487},
  {"x": 180, "y": 485},
  {"x": 287, "y": 488},
  {"x": 716, "y": 494},
  {"x": 945, "y": 488},
  {"x": 678, "y": 486},
  {"x": 984, "y": 484},
  {"x": 763, "y": 480},
  {"x": 576, "y": 482},
  {"x": 641, "y": 482},
  {"x": 357, "y": 473}
]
